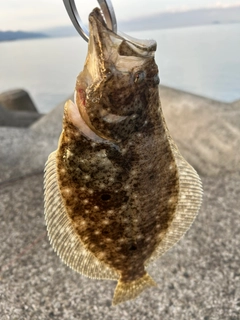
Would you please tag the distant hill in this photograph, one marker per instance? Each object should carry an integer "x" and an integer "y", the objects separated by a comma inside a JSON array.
[
  {"x": 164, "y": 20},
  {"x": 19, "y": 35}
]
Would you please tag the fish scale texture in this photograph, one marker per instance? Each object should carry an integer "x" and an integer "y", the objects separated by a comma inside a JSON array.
[{"x": 198, "y": 279}]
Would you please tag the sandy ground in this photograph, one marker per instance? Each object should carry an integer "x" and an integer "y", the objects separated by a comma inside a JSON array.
[{"x": 198, "y": 279}]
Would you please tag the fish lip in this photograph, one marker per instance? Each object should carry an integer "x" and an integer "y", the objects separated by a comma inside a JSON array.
[
  {"x": 103, "y": 42},
  {"x": 96, "y": 16},
  {"x": 101, "y": 56}
]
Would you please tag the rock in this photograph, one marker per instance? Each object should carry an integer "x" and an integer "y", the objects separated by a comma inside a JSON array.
[
  {"x": 17, "y": 99},
  {"x": 21, "y": 119},
  {"x": 236, "y": 104},
  {"x": 51, "y": 124},
  {"x": 24, "y": 151},
  {"x": 5, "y": 117}
]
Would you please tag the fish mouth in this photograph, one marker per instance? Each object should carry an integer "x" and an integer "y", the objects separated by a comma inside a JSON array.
[
  {"x": 108, "y": 50},
  {"x": 109, "y": 54},
  {"x": 102, "y": 45}
]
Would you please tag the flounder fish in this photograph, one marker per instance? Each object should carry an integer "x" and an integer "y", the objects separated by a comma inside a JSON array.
[{"x": 118, "y": 194}]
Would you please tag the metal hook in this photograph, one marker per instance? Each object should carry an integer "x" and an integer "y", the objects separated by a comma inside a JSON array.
[{"x": 107, "y": 10}]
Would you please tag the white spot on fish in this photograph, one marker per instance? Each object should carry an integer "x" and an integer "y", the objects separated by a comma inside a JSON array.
[
  {"x": 69, "y": 153},
  {"x": 83, "y": 223},
  {"x": 171, "y": 200},
  {"x": 67, "y": 192},
  {"x": 101, "y": 255}
]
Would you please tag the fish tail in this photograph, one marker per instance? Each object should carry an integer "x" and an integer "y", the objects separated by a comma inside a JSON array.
[{"x": 130, "y": 290}]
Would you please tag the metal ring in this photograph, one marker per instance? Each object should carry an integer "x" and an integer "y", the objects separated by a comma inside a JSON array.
[{"x": 107, "y": 10}]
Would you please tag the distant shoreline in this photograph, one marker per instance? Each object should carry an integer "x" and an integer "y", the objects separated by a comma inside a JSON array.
[
  {"x": 20, "y": 35},
  {"x": 71, "y": 32}
]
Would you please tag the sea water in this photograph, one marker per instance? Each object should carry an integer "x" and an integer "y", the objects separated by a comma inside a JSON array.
[{"x": 203, "y": 60}]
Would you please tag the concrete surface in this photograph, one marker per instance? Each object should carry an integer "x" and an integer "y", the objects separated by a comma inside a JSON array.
[
  {"x": 206, "y": 131},
  {"x": 198, "y": 279},
  {"x": 20, "y": 119}
]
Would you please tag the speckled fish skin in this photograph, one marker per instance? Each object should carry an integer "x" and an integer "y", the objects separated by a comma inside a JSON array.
[{"x": 118, "y": 194}]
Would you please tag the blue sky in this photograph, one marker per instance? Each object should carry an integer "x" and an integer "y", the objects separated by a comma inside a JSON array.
[{"x": 41, "y": 14}]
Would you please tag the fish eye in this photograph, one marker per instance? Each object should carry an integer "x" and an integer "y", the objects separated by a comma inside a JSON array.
[{"x": 139, "y": 76}]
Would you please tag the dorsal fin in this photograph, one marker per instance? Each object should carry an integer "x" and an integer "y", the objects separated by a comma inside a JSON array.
[{"x": 62, "y": 235}]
